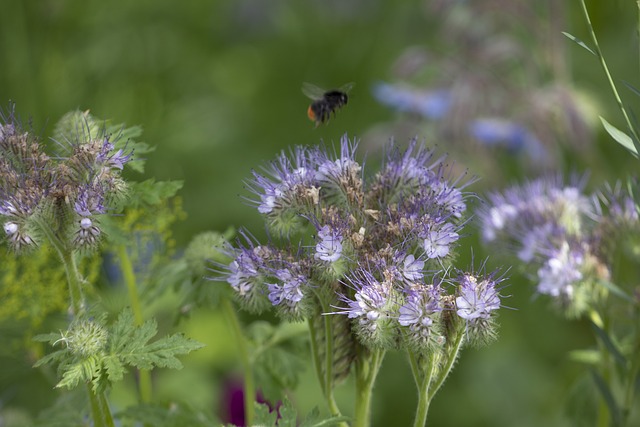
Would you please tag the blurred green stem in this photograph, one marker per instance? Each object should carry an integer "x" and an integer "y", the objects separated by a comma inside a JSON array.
[
  {"x": 604, "y": 415},
  {"x": 635, "y": 139},
  {"x": 367, "y": 367},
  {"x": 99, "y": 409},
  {"x": 145, "y": 388},
  {"x": 247, "y": 368}
]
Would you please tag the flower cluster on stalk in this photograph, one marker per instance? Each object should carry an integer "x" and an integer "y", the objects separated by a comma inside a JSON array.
[
  {"x": 567, "y": 235},
  {"x": 376, "y": 248},
  {"x": 62, "y": 196}
]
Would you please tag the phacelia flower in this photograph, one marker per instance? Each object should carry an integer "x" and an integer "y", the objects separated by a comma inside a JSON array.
[
  {"x": 559, "y": 274},
  {"x": 477, "y": 297},
  {"x": 329, "y": 248},
  {"x": 438, "y": 240}
]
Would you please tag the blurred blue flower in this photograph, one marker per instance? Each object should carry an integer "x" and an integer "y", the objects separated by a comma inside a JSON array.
[
  {"x": 431, "y": 104},
  {"x": 516, "y": 138}
]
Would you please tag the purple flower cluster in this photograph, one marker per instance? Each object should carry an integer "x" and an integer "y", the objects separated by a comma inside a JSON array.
[
  {"x": 563, "y": 233},
  {"x": 374, "y": 250},
  {"x": 67, "y": 193}
]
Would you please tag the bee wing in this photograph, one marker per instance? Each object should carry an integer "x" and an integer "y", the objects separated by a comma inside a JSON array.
[
  {"x": 346, "y": 87},
  {"x": 312, "y": 91}
]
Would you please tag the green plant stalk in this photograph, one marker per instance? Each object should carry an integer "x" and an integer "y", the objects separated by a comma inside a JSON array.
[
  {"x": 68, "y": 261},
  {"x": 604, "y": 414},
  {"x": 603, "y": 63},
  {"x": 446, "y": 369},
  {"x": 144, "y": 387},
  {"x": 366, "y": 373},
  {"x": 245, "y": 361},
  {"x": 423, "y": 380},
  {"x": 99, "y": 409}
]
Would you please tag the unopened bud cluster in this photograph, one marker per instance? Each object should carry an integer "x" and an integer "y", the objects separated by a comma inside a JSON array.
[
  {"x": 566, "y": 235},
  {"x": 66, "y": 193},
  {"x": 85, "y": 338},
  {"x": 377, "y": 247}
]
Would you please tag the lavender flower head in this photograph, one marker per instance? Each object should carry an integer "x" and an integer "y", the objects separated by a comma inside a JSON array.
[
  {"x": 368, "y": 249},
  {"x": 561, "y": 233},
  {"x": 66, "y": 193}
]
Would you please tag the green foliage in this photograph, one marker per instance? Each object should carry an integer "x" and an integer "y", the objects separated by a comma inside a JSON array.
[
  {"x": 172, "y": 414},
  {"x": 278, "y": 355},
  {"x": 128, "y": 345},
  {"x": 286, "y": 416},
  {"x": 79, "y": 127}
]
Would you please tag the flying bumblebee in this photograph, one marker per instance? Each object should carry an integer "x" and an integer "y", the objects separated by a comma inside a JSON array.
[{"x": 325, "y": 102}]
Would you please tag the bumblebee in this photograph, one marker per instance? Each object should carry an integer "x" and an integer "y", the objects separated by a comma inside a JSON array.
[{"x": 325, "y": 102}]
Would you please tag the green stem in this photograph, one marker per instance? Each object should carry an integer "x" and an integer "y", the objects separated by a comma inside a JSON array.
[
  {"x": 315, "y": 355},
  {"x": 423, "y": 380},
  {"x": 603, "y": 63},
  {"x": 68, "y": 261},
  {"x": 603, "y": 409},
  {"x": 145, "y": 386},
  {"x": 249, "y": 386},
  {"x": 99, "y": 409},
  {"x": 452, "y": 356},
  {"x": 366, "y": 373}
]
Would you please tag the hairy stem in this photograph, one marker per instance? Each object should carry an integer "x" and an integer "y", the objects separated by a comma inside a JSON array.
[
  {"x": 145, "y": 387},
  {"x": 367, "y": 368},
  {"x": 69, "y": 262},
  {"x": 245, "y": 361},
  {"x": 422, "y": 376}
]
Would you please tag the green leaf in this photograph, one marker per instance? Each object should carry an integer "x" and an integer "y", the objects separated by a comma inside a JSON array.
[
  {"x": 610, "y": 345},
  {"x": 604, "y": 389},
  {"x": 150, "y": 192},
  {"x": 84, "y": 370},
  {"x": 129, "y": 344},
  {"x": 619, "y": 136},
  {"x": 580, "y": 43},
  {"x": 176, "y": 414},
  {"x": 264, "y": 416},
  {"x": 631, "y": 87},
  {"x": 589, "y": 357},
  {"x": 614, "y": 289}
]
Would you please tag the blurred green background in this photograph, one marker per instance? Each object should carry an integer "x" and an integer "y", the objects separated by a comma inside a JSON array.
[{"x": 216, "y": 87}]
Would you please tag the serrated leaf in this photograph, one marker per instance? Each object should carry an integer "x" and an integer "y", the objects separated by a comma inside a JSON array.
[
  {"x": 129, "y": 344},
  {"x": 176, "y": 414},
  {"x": 84, "y": 370},
  {"x": 580, "y": 43},
  {"x": 162, "y": 353},
  {"x": 50, "y": 338},
  {"x": 264, "y": 415},
  {"x": 114, "y": 368},
  {"x": 619, "y": 136},
  {"x": 56, "y": 356},
  {"x": 150, "y": 192}
]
